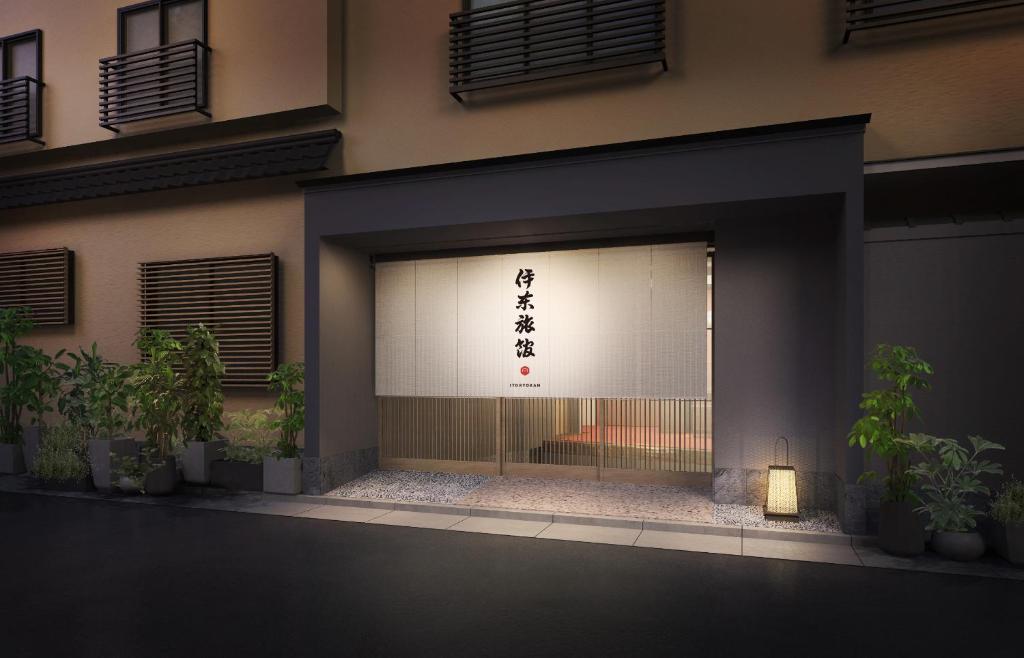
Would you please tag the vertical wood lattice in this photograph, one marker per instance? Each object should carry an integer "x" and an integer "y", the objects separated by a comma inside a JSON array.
[
  {"x": 672, "y": 435},
  {"x": 40, "y": 280},
  {"x": 235, "y": 296}
]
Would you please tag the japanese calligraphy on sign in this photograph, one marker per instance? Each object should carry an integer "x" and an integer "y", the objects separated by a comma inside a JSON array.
[{"x": 525, "y": 323}]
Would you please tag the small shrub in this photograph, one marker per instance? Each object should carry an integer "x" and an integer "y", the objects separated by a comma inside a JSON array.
[
  {"x": 62, "y": 455},
  {"x": 1008, "y": 507},
  {"x": 291, "y": 403},
  {"x": 250, "y": 434},
  {"x": 202, "y": 395}
]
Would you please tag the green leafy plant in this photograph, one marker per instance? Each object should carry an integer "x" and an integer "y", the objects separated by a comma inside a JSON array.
[
  {"x": 291, "y": 403},
  {"x": 251, "y": 435},
  {"x": 883, "y": 429},
  {"x": 950, "y": 475},
  {"x": 202, "y": 395},
  {"x": 1008, "y": 507},
  {"x": 128, "y": 467},
  {"x": 62, "y": 454},
  {"x": 155, "y": 387},
  {"x": 96, "y": 394},
  {"x": 27, "y": 375}
]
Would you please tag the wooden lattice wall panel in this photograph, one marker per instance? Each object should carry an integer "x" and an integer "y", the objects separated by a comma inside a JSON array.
[
  {"x": 41, "y": 280},
  {"x": 235, "y": 296}
]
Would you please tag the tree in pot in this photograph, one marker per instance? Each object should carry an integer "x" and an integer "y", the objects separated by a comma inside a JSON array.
[
  {"x": 202, "y": 403},
  {"x": 26, "y": 382},
  {"x": 282, "y": 471},
  {"x": 882, "y": 432},
  {"x": 950, "y": 475},
  {"x": 159, "y": 407},
  {"x": 96, "y": 397},
  {"x": 250, "y": 435},
  {"x": 1008, "y": 512},
  {"x": 62, "y": 462},
  {"x": 44, "y": 387}
]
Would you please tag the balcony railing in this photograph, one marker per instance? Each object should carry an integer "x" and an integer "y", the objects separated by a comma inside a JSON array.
[
  {"x": 152, "y": 83},
  {"x": 871, "y": 14},
  {"x": 21, "y": 115},
  {"x": 527, "y": 40}
]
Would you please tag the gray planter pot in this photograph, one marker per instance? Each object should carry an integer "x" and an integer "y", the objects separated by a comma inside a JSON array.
[
  {"x": 960, "y": 546},
  {"x": 1008, "y": 540},
  {"x": 900, "y": 529},
  {"x": 101, "y": 462},
  {"x": 237, "y": 476},
  {"x": 162, "y": 480},
  {"x": 12, "y": 460},
  {"x": 282, "y": 476},
  {"x": 198, "y": 457},
  {"x": 31, "y": 441}
]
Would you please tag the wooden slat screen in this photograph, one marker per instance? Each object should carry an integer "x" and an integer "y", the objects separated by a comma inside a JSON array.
[
  {"x": 41, "y": 280},
  {"x": 235, "y": 296}
]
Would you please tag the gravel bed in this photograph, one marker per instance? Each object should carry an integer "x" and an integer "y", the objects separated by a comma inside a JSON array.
[
  {"x": 752, "y": 516},
  {"x": 411, "y": 486}
]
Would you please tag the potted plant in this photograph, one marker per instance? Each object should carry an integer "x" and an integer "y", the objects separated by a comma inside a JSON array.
[
  {"x": 202, "y": 403},
  {"x": 250, "y": 440},
  {"x": 23, "y": 381},
  {"x": 95, "y": 397},
  {"x": 282, "y": 471},
  {"x": 950, "y": 475},
  {"x": 158, "y": 406},
  {"x": 1008, "y": 513},
  {"x": 43, "y": 389},
  {"x": 62, "y": 463},
  {"x": 882, "y": 431}
]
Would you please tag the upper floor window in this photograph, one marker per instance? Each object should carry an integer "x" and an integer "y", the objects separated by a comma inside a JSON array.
[
  {"x": 20, "y": 86},
  {"x": 160, "y": 23},
  {"x": 495, "y": 44},
  {"x": 161, "y": 64}
]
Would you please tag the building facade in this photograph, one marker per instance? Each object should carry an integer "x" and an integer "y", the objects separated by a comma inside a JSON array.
[{"x": 849, "y": 173}]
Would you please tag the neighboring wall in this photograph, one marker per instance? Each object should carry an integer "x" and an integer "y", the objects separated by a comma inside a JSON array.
[
  {"x": 268, "y": 57},
  {"x": 936, "y": 87},
  {"x": 954, "y": 293},
  {"x": 111, "y": 237},
  {"x": 775, "y": 356}
]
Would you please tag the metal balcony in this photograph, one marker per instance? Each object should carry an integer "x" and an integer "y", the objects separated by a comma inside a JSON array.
[
  {"x": 871, "y": 14},
  {"x": 21, "y": 110},
  {"x": 155, "y": 82},
  {"x": 528, "y": 40}
]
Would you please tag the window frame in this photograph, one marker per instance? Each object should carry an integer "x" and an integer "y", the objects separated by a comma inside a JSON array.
[
  {"x": 37, "y": 35},
  {"x": 122, "y": 12}
]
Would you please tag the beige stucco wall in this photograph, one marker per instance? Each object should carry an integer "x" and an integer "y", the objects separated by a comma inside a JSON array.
[
  {"x": 931, "y": 88},
  {"x": 268, "y": 56},
  {"x": 111, "y": 237}
]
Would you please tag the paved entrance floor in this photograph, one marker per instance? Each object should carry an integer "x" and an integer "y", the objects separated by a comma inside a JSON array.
[
  {"x": 664, "y": 503},
  {"x": 98, "y": 578}
]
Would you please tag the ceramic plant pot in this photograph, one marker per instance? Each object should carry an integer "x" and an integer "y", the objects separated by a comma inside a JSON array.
[
  {"x": 1008, "y": 541},
  {"x": 12, "y": 459},
  {"x": 198, "y": 457},
  {"x": 282, "y": 476},
  {"x": 959, "y": 546},
  {"x": 237, "y": 476},
  {"x": 127, "y": 485},
  {"x": 900, "y": 529},
  {"x": 102, "y": 463},
  {"x": 31, "y": 442},
  {"x": 162, "y": 480}
]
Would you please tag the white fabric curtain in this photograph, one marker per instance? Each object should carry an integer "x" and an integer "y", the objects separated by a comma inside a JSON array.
[{"x": 624, "y": 322}]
